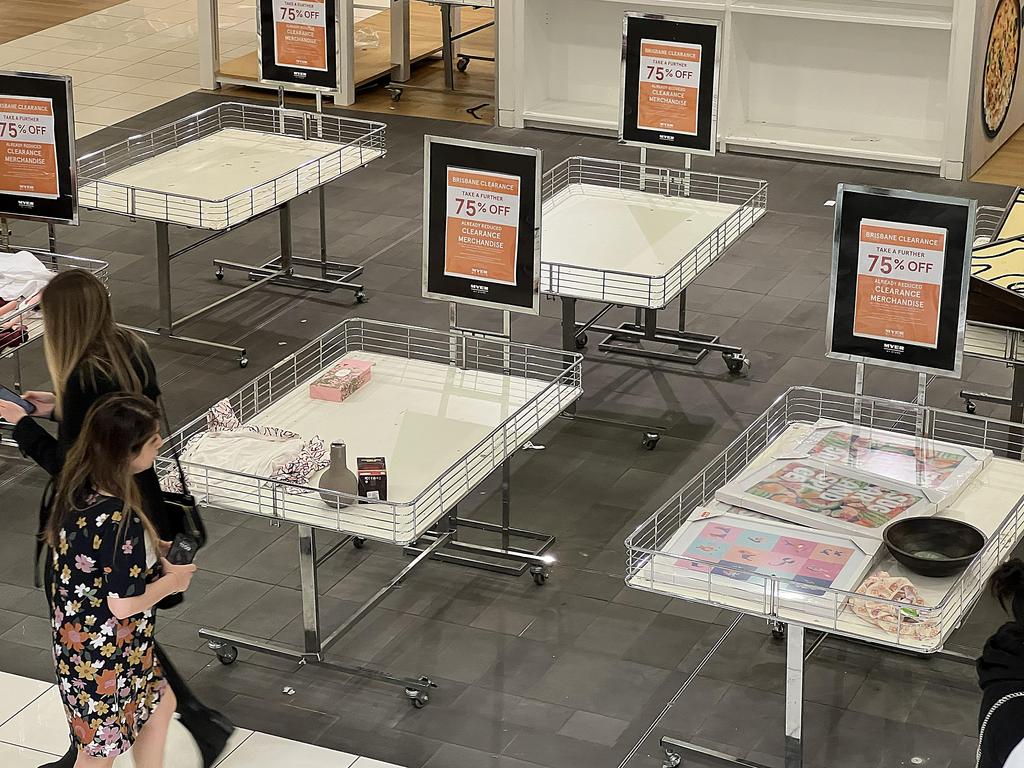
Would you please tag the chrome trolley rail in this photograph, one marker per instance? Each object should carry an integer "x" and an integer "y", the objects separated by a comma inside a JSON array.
[
  {"x": 427, "y": 526},
  {"x": 359, "y": 142},
  {"x": 32, "y": 319},
  {"x": 780, "y": 602}
]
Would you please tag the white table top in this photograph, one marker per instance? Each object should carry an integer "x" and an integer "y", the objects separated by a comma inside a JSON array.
[
  {"x": 424, "y": 418},
  {"x": 223, "y": 178},
  {"x": 625, "y": 231}
]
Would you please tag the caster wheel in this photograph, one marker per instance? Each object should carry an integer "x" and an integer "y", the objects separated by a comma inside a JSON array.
[
  {"x": 243, "y": 362},
  {"x": 737, "y": 364},
  {"x": 540, "y": 576},
  {"x": 419, "y": 701},
  {"x": 358, "y": 542},
  {"x": 361, "y": 298},
  {"x": 672, "y": 760},
  {"x": 396, "y": 95},
  {"x": 227, "y": 655},
  {"x": 650, "y": 441},
  {"x": 581, "y": 341},
  {"x": 970, "y": 406},
  {"x": 219, "y": 274},
  {"x": 462, "y": 64},
  {"x": 778, "y": 630}
]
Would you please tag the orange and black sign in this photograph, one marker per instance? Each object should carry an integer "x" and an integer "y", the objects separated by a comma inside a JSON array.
[
  {"x": 298, "y": 43},
  {"x": 900, "y": 269},
  {"x": 37, "y": 148},
  {"x": 670, "y": 80}
]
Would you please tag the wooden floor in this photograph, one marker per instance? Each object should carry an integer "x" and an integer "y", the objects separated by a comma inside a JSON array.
[
  {"x": 425, "y": 95},
  {"x": 1007, "y": 165},
  {"x": 25, "y": 17}
]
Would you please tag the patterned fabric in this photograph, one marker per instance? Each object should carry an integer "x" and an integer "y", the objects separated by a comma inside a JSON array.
[
  {"x": 109, "y": 680},
  {"x": 314, "y": 456}
]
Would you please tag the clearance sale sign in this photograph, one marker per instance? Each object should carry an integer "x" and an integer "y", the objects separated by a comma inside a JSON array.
[
  {"x": 482, "y": 230},
  {"x": 481, "y": 213},
  {"x": 900, "y": 271},
  {"x": 899, "y": 282},
  {"x": 300, "y": 34},
  {"x": 37, "y": 148},
  {"x": 298, "y": 43},
  {"x": 669, "y": 87},
  {"x": 669, "y": 97},
  {"x": 28, "y": 148}
]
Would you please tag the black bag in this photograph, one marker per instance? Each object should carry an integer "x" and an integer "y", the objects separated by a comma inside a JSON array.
[{"x": 180, "y": 509}]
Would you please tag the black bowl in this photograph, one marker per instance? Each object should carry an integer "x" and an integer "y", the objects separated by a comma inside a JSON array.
[{"x": 933, "y": 546}]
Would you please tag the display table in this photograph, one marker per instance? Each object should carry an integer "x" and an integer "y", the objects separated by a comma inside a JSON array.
[
  {"x": 993, "y": 501},
  {"x": 444, "y": 409},
  {"x": 245, "y": 161}
]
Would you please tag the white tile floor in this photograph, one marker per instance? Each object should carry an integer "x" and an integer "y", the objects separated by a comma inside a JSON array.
[
  {"x": 135, "y": 56},
  {"x": 33, "y": 729}
]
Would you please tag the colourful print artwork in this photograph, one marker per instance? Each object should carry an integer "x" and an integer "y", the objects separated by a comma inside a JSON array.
[
  {"x": 925, "y": 463},
  {"x": 747, "y": 553}
]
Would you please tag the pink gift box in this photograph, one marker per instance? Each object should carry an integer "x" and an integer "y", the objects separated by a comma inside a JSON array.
[{"x": 340, "y": 381}]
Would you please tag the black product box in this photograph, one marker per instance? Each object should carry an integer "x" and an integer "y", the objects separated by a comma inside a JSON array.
[{"x": 373, "y": 478}]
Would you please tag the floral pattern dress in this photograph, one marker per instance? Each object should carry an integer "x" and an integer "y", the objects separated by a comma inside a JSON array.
[{"x": 109, "y": 679}]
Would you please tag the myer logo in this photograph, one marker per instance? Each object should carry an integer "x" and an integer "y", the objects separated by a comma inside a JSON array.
[
  {"x": 299, "y": 75},
  {"x": 898, "y": 349},
  {"x": 26, "y": 204},
  {"x": 482, "y": 289},
  {"x": 666, "y": 137}
]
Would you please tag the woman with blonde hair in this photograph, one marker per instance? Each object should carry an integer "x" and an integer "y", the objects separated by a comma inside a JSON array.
[
  {"x": 89, "y": 356},
  {"x": 104, "y": 586}
]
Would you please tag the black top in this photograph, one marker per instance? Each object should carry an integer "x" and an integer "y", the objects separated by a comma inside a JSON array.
[
  {"x": 79, "y": 395},
  {"x": 1001, "y": 674}
]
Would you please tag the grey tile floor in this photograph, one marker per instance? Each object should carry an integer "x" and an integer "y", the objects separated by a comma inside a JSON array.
[{"x": 573, "y": 673}]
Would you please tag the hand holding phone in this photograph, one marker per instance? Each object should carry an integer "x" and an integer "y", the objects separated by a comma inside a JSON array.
[
  {"x": 183, "y": 550},
  {"x": 13, "y": 407}
]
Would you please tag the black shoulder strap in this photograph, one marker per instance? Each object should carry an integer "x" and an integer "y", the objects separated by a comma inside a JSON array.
[{"x": 174, "y": 450}]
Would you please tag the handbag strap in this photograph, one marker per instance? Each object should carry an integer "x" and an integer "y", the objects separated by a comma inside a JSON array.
[{"x": 174, "y": 450}]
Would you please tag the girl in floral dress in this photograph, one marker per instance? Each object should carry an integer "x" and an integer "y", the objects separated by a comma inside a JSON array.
[{"x": 106, "y": 581}]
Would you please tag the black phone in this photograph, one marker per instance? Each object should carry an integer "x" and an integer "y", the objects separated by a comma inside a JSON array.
[
  {"x": 183, "y": 550},
  {"x": 13, "y": 397}
]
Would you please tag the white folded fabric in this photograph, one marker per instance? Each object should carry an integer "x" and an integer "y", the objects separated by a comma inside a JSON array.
[
  {"x": 244, "y": 451},
  {"x": 22, "y": 275}
]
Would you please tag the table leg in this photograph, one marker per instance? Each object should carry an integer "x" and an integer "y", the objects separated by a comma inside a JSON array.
[
  {"x": 794, "y": 749},
  {"x": 447, "y": 47},
  {"x": 285, "y": 213},
  {"x": 310, "y": 593},
  {"x": 569, "y": 333},
  {"x": 323, "y": 231},
  {"x": 163, "y": 274},
  {"x": 400, "y": 54},
  {"x": 506, "y": 502}
]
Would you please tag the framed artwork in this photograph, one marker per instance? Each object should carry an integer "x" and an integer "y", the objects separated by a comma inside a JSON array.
[
  {"x": 942, "y": 470},
  {"x": 826, "y": 497},
  {"x": 738, "y": 552}
]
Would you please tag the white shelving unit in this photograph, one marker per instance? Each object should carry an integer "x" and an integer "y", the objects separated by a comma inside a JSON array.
[{"x": 867, "y": 82}]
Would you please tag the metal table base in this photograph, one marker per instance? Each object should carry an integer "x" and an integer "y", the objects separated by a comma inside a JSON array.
[
  {"x": 280, "y": 271},
  {"x": 443, "y": 536},
  {"x": 627, "y": 338}
]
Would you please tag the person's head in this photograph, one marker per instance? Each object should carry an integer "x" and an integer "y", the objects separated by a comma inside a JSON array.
[
  {"x": 80, "y": 331},
  {"x": 1007, "y": 585},
  {"x": 120, "y": 438}
]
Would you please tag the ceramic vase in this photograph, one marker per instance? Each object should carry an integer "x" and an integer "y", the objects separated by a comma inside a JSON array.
[{"x": 338, "y": 476}]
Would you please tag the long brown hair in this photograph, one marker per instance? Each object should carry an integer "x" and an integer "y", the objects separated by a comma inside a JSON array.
[
  {"x": 116, "y": 428},
  {"x": 81, "y": 333}
]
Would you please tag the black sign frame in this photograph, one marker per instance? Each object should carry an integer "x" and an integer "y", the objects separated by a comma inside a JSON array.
[
  {"x": 57, "y": 88},
  {"x": 295, "y": 78},
  {"x": 439, "y": 155},
  {"x": 703, "y": 32},
  {"x": 957, "y": 215}
]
